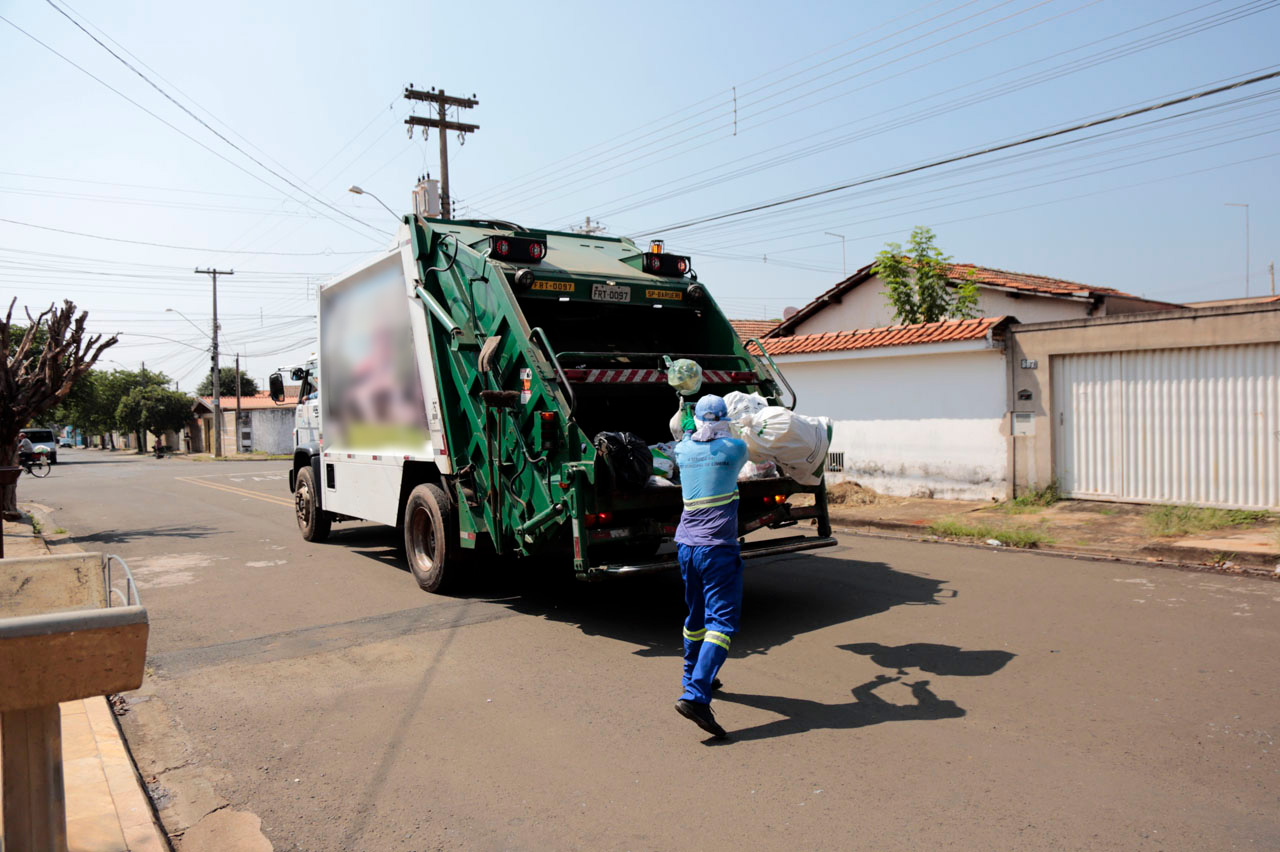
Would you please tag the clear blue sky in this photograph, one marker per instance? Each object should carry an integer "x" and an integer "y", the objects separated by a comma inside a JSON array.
[{"x": 628, "y": 118}]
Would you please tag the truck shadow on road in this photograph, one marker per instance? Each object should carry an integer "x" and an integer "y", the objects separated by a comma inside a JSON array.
[{"x": 783, "y": 598}]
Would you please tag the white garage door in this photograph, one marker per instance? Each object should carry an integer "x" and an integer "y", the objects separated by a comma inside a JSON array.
[{"x": 1197, "y": 425}]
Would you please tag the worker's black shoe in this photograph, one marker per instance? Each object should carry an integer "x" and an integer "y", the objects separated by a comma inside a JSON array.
[
  {"x": 716, "y": 685},
  {"x": 700, "y": 715}
]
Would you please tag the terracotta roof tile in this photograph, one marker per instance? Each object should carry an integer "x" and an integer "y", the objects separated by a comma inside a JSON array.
[
  {"x": 946, "y": 331},
  {"x": 747, "y": 329},
  {"x": 258, "y": 400},
  {"x": 1022, "y": 281}
]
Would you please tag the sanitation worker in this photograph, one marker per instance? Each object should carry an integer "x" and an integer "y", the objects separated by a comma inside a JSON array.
[{"x": 710, "y": 559}]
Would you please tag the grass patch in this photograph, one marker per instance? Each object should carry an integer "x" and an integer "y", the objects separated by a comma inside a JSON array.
[
  {"x": 1107, "y": 510},
  {"x": 36, "y": 526},
  {"x": 60, "y": 531},
  {"x": 1013, "y": 537},
  {"x": 1032, "y": 502},
  {"x": 1187, "y": 520}
]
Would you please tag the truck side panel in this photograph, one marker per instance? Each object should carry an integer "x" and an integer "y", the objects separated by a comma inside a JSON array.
[{"x": 362, "y": 486}]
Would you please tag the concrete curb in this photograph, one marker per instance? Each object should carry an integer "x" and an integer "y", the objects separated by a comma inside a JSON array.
[
  {"x": 196, "y": 816},
  {"x": 139, "y": 821},
  {"x": 919, "y": 533}
]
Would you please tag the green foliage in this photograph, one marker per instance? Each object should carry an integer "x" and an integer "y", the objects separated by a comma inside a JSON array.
[
  {"x": 227, "y": 384},
  {"x": 1033, "y": 501},
  {"x": 1013, "y": 537},
  {"x": 95, "y": 399},
  {"x": 917, "y": 284},
  {"x": 1187, "y": 520},
  {"x": 154, "y": 409}
]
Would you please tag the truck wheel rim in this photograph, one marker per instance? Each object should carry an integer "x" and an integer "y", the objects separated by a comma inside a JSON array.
[
  {"x": 303, "y": 502},
  {"x": 423, "y": 538}
]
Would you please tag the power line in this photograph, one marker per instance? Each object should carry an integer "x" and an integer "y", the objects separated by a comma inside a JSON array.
[
  {"x": 681, "y": 186},
  {"x": 971, "y": 154},
  {"x": 206, "y": 124},
  {"x": 163, "y": 121},
  {"x": 182, "y": 248}
]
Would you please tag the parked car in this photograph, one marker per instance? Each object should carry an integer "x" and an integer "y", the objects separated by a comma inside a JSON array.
[
  {"x": 43, "y": 438},
  {"x": 66, "y": 442}
]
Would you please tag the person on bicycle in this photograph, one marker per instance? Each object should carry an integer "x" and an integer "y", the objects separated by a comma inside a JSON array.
[{"x": 26, "y": 451}]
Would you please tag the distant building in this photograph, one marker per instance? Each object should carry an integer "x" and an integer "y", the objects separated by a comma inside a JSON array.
[
  {"x": 860, "y": 301},
  {"x": 265, "y": 427}
]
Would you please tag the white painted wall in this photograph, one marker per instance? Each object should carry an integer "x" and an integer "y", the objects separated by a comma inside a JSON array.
[
  {"x": 865, "y": 306},
  {"x": 272, "y": 429},
  {"x": 912, "y": 425}
]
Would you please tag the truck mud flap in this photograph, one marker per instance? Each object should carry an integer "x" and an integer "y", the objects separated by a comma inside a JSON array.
[{"x": 751, "y": 550}]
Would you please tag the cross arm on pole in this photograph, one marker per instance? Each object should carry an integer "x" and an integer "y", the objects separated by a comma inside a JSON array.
[{"x": 419, "y": 121}]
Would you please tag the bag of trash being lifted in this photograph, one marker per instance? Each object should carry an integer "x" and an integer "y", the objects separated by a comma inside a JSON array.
[
  {"x": 796, "y": 443},
  {"x": 684, "y": 375},
  {"x": 741, "y": 404}
]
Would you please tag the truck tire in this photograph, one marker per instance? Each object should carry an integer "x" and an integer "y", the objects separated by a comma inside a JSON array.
[
  {"x": 430, "y": 538},
  {"x": 313, "y": 521}
]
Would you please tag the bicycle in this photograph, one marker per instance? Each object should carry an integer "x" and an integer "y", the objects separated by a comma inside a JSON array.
[{"x": 37, "y": 465}]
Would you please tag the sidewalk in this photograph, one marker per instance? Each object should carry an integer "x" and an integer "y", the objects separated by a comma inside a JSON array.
[
  {"x": 1247, "y": 543},
  {"x": 107, "y": 810}
]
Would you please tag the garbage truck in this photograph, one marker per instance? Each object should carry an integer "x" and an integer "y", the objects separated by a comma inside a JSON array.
[{"x": 464, "y": 375}]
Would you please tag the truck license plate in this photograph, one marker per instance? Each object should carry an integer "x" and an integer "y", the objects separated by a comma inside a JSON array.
[{"x": 610, "y": 293}]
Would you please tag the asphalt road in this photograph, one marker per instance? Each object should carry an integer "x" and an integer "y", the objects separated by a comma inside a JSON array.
[{"x": 883, "y": 695}]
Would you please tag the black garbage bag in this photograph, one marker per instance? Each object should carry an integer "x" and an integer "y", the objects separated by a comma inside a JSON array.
[{"x": 627, "y": 462}]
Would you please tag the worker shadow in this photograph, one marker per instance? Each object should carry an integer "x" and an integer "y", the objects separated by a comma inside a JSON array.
[
  {"x": 868, "y": 706},
  {"x": 783, "y": 597},
  {"x": 800, "y": 715},
  {"x": 123, "y": 536}
]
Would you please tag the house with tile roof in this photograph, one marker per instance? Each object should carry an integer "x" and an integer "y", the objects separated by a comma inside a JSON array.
[
  {"x": 916, "y": 410},
  {"x": 749, "y": 329},
  {"x": 265, "y": 426},
  {"x": 860, "y": 301}
]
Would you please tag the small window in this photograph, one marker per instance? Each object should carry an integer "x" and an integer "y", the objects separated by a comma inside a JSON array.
[
  {"x": 835, "y": 462},
  {"x": 328, "y": 476}
]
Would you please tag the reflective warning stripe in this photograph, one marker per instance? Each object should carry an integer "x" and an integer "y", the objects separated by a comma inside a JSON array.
[
  {"x": 719, "y": 639},
  {"x": 712, "y": 501},
  {"x": 608, "y": 377},
  {"x": 695, "y": 635}
]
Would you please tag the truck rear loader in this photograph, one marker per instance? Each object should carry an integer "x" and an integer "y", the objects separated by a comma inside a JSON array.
[{"x": 464, "y": 374}]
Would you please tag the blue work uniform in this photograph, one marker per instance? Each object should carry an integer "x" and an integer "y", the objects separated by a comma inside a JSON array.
[{"x": 710, "y": 559}]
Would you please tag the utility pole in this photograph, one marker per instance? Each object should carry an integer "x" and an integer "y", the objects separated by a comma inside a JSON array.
[
  {"x": 441, "y": 123},
  {"x": 1271, "y": 267},
  {"x": 237, "y": 447},
  {"x": 588, "y": 227},
  {"x": 217, "y": 395}
]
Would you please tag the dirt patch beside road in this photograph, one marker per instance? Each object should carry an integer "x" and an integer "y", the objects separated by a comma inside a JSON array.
[{"x": 1248, "y": 542}]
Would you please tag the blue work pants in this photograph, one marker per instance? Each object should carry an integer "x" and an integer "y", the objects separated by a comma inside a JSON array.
[{"x": 713, "y": 592}]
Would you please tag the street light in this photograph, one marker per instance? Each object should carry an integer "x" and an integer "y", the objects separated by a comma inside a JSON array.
[
  {"x": 844, "y": 269},
  {"x": 358, "y": 191},
  {"x": 1246, "y": 242},
  {"x": 188, "y": 319}
]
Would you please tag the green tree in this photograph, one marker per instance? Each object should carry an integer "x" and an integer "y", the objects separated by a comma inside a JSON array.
[
  {"x": 154, "y": 409},
  {"x": 227, "y": 384},
  {"x": 917, "y": 284}
]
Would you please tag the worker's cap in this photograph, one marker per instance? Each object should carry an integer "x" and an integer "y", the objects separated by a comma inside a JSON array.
[{"x": 711, "y": 407}]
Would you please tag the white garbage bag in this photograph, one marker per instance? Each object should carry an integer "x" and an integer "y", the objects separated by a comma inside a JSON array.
[
  {"x": 796, "y": 443},
  {"x": 740, "y": 404}
]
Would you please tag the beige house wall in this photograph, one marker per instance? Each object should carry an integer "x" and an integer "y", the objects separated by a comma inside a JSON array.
[
  {"x": 866, "y": 306},
  {"x": 1031, "y": 456}
]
